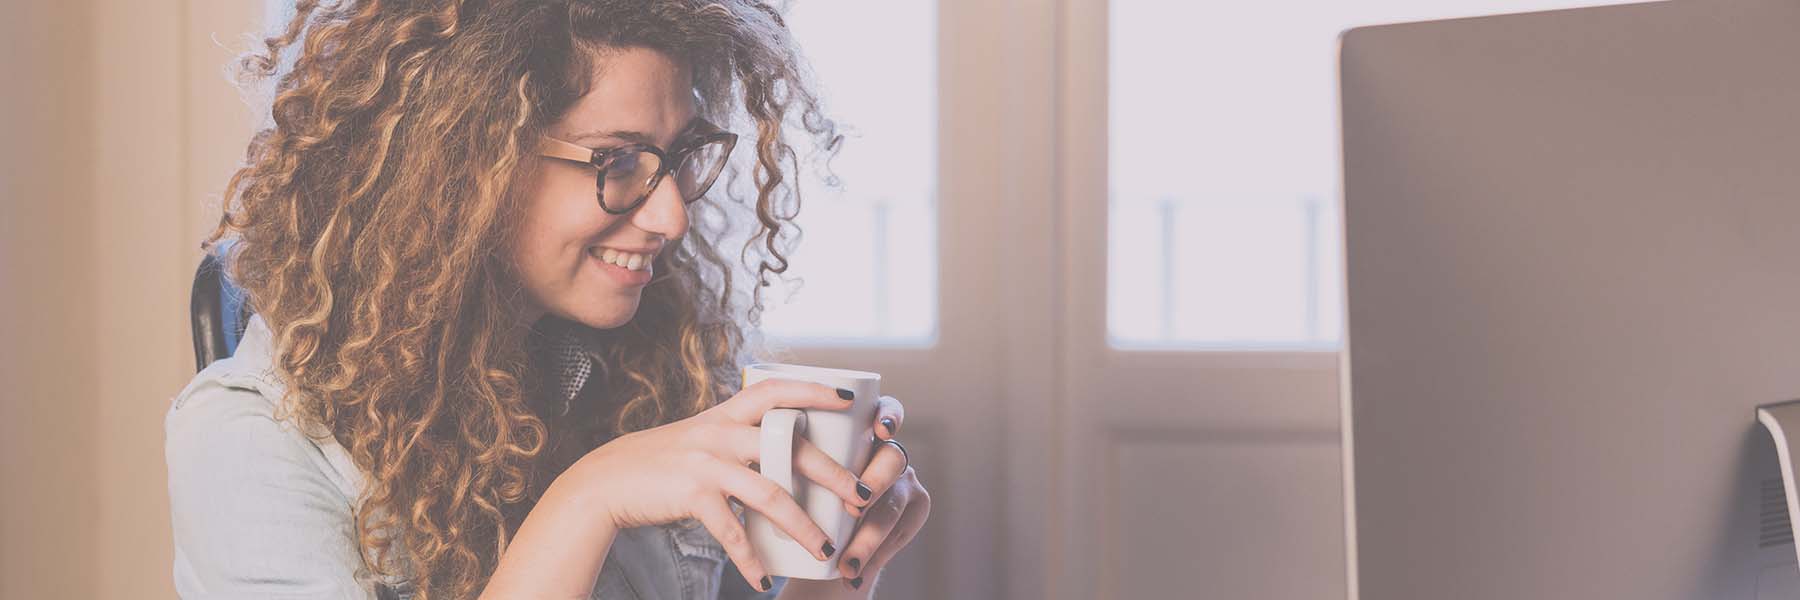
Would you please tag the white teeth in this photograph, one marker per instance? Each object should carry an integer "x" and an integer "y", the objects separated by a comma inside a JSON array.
[{"x": 628, "y": 260}]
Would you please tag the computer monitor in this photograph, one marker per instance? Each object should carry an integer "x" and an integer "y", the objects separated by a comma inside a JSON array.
[{"x": 1573, "y": 257}]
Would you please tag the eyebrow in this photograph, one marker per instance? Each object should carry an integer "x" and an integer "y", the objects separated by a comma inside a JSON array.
[{"x": 632, "y": 136}]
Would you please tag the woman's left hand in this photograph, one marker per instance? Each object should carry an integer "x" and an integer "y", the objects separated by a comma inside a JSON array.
[{"x": 900, "y": 508}]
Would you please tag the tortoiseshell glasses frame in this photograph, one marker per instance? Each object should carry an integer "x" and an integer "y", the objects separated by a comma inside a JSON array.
[{"x": 626, "y": 175}]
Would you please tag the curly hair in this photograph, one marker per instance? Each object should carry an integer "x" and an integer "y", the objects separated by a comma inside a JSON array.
[{"x": 375, "y": 211}]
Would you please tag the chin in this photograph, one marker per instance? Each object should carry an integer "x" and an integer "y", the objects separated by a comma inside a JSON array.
[{"x": 605, "y": 315}]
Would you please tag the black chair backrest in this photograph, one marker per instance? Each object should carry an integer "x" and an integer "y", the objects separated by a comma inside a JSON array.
[{"x": 217, "y": 309}]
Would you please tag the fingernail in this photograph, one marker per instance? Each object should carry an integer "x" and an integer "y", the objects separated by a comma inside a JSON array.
[
  {"x": 828, "y": 550},
  {"x": 855, "y": 565},
  {"x": 863, "y": 491},
  {"x": 767, "y": 584},
  {"x": 846, "y": 394},
  {"x": 888, "y": 422},
  {"x": 856, "y": 583}
]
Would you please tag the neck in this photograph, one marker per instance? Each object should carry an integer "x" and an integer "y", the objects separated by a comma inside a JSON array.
[{"x": 528, "y": 318}]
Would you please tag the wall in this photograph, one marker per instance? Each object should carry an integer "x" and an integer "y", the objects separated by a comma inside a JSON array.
[
  {"x": 119, "y": 132},
  {"x": 47, "y": 417}
]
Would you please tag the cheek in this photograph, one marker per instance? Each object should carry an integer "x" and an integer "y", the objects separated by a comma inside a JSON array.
[
  {"x": 558, "y": 222},
  {"x": 560, "y": 219},
  {"x": 547, "y": 227}
]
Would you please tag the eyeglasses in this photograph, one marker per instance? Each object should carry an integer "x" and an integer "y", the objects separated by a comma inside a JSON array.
[{"x": 628, "y": 174}]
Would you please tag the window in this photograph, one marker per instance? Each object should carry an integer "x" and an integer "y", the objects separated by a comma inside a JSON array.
[
  {"x": 1224, "y": 168},
  {"x": 868, "y": 255}
]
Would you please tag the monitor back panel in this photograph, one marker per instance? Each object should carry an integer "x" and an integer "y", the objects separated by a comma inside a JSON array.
[{"x": 1573, "y": 253}]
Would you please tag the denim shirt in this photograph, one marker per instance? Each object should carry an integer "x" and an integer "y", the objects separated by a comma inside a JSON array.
[{"x": 261, "y": 509}]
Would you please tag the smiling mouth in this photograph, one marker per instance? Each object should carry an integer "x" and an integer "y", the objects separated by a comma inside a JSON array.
[{"x": 631, "y": 261}]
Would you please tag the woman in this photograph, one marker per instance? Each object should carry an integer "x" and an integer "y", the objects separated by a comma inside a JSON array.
[{"x": 492, "y": 355}]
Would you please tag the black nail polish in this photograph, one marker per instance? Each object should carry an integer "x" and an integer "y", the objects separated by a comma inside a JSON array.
[
  {"x": 888, "y": 422},
  {"x": 846, "y": 394},
  {"x": 863, "y": 491},
  {"x": 828, "y": 550},
  {"x": 856, "y": 565},
  {"x": 856, "y": 583},
  {"x": 766, "y": 583}
]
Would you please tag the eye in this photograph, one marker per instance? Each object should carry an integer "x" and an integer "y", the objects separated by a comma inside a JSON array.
[{"x": 624, "y": 165}]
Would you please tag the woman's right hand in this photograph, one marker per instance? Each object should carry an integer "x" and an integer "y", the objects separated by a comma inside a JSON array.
[{"x": 689, "y": 468}]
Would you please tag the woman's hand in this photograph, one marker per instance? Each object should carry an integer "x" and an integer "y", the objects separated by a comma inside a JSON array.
[
  {"x": 900, "y": 508},
  {"x": 688, "y": 468}
]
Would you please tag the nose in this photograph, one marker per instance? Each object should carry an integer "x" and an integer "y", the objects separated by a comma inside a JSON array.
[{"x": 663, "y": 212}]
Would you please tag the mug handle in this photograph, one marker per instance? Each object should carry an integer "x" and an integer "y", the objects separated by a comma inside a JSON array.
[{"x": 779, "y": 428}]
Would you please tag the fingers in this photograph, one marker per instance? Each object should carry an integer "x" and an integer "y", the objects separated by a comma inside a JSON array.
[
  {"x": 742, "y": 444},
  {"x": 889, "y": 414},
  {"x": 870, "y": 532},
  {"x": 719, "y": 520},
  {"x": 816, "y": 465},
  {"x": 764, "y": 496},
  {"x": 911, "y": 520},
  {"x": 748, "y": 406},
  {"x": 885, "y": 467}
]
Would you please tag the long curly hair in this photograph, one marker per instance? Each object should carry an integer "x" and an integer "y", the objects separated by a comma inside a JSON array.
[{"x": 374, "y": 216}]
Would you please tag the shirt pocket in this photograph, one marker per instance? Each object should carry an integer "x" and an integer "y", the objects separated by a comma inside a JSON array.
[{"x": 700, "y": 559}]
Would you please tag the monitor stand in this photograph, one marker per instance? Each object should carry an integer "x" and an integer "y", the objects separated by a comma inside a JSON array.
[{"x": 1779, "y": 515}]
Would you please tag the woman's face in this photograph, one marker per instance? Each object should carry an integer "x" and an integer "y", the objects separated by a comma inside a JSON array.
[{"x": 637, "y": 95}]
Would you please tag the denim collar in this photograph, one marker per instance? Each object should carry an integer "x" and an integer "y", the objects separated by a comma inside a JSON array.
[{"x": 254, "y": 361}]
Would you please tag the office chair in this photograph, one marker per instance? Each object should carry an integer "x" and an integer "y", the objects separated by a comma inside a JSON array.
[{"x": 218, "y": 310}]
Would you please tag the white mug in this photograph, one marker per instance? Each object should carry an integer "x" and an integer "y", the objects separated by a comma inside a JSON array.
[{"x": 845, "y": 435}]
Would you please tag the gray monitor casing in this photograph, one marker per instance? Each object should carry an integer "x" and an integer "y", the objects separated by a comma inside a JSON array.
[{"x": 1572, "y": 241}]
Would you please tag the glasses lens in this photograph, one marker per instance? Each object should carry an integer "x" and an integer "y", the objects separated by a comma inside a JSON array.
[
  {"x": 700, "y": 168},
  {"x": 626, "y": 180}
]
